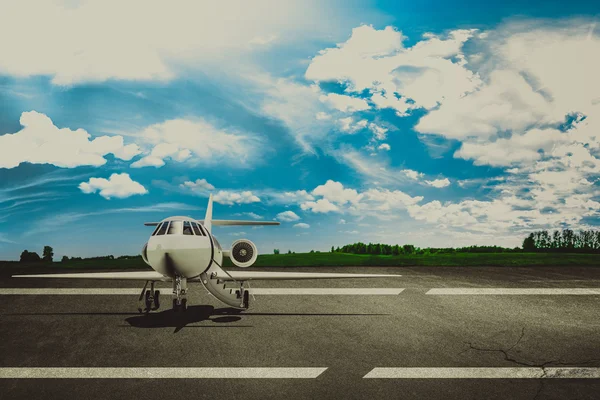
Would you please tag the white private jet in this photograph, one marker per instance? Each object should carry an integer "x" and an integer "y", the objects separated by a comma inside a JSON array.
[{"x": 182, "y": 250}]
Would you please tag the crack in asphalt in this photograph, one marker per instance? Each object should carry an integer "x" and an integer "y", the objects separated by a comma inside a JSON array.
[{"x": 542, "y": 366}]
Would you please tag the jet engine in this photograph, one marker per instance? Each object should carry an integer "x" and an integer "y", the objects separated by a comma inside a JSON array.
[{"x": 243, "y": 253}]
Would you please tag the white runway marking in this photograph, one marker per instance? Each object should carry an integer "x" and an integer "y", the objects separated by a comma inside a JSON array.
[
  {"x": 161, "y": 373},
  {"x": 72, "y": 291},
  {"x": 514, "y": 291},
  {"x": 485, "y": 373},
  {"x": 327, "y": 291},
  {"x": 256, "y": 291}
]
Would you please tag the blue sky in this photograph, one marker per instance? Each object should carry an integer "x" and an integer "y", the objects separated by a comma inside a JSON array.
[{"x": 434, "y": 123}]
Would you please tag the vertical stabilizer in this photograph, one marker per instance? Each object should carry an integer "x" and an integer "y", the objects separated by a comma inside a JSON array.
[{"x": 208, "y": 217}]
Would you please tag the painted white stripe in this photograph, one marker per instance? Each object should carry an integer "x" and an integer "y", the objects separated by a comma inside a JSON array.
[
  {"x": 256, "y": 291},
  {"x": 160, "y": 373},
  {"x": 72, "y": 291},
  {"x": 326, "y": 291},
  {"x": 514, "y": 291},
  {"x": 485, "y": 373}
]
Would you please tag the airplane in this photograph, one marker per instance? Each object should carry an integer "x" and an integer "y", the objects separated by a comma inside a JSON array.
[{"x": 183, "y": 250}]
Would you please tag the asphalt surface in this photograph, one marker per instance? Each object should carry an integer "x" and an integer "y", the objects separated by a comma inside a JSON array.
[{"x": 349, "y": 335}]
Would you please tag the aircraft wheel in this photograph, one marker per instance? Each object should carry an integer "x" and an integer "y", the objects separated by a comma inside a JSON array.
[
  {"x": 156, "y": 299},
  {"x": 183, "y": 304},
  {"x": 148, "y": 300},
  {"x": 246, "y": 304},
  {"x": 175, "y": 305}
]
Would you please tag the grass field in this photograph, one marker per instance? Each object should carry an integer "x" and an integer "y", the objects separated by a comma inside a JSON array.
[{"x": 340, "y": 259}]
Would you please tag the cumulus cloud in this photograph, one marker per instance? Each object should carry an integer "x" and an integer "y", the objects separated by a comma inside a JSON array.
[
  {"x": 302, "y": 225},
  {"x": 438, "y": 183},
  {"x": 377, "y": 60},
  {"x": 41, "y": 142},
  {"x": 229, "y": 197},
  {"x": 320, "y": 206},
  {"x": 384, "y": 147},
  {"x": 196, "y": 141},
  {"x": 200, "y": 185},
  {"x": 287, "y": 216},
  {"x": 117, "y": 185},
  {"x": 335, "y": 192}
]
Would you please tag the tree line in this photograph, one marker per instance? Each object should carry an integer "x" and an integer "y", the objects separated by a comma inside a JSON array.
[
  {"x": 565, "y": 241},
  {"x": 409, "y": 249}
]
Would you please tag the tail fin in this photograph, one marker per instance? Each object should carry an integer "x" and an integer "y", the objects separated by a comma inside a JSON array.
[{"x": 208, "y": 217}]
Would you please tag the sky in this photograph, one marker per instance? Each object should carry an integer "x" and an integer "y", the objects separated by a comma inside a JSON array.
[{"x": 433, "y": 123}]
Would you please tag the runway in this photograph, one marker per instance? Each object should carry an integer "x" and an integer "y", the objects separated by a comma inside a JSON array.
[{"x": 436, "y": 332}]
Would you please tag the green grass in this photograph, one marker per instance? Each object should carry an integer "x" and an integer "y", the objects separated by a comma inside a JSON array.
[
  {"x": 340, "y": 259},
  {"x": 457, "y": 259}
]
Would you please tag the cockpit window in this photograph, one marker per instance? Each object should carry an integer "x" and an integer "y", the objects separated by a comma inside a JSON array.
[
  {"x": 175, "y": 228},
  {"x": 187, "y": 228},
  {"x": 162, "y": 229},
  {"x": 156, "y": 230},
  {"x": 197, "y": 230}
]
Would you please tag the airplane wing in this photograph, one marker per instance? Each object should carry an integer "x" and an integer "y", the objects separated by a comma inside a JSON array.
[
  {"x": 269, "y": 276},
  {"x": 135, "y": 276},
  {"x": 230, "y": 222}
]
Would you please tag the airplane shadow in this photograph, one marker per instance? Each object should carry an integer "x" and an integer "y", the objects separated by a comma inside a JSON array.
[
  {"x": 194, "y": 314},
  {"x": 179, "y": 319}
]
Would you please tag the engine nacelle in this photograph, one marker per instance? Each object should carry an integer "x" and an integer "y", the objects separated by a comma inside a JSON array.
[{"x": 243, "y": 253}]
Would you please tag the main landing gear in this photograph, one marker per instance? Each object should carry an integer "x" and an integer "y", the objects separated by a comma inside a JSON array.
[
  {"x": 179, "y": 294},
  {"x": 149, "y": 300}
]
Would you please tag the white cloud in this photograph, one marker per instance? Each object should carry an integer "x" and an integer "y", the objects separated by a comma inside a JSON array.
[
  {"x": 302, "y": 225},
  {"x": 200, "y": 185},
  {"x": 150, "y": 40},
  {"x": 41, "y": 142},
  {"x": 320, "y": 206},
  {"x": 335, "y": 192},
  {"x": 439, "y": 183},
  {"x": 344, "y": 103},
  {"x": 196, "y": 141},
  {"x": 384, "y": 146},
  {"x": 412, "y": 174},
  {"x": 117, "y": 185},
  {"x": 287, "y": 216},
  {"x": 506, "y": 103},
  {"x": 378, "y": 131},
  {"x": 288, "y": 197},
  {"x": 229, "y": 197},
  {"x": 376, "y": 60},
  {"x": 350, "y": 126},
  {"x": 342, "y": 221}
]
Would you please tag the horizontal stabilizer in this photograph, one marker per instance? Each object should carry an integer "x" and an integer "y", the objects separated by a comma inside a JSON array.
[
  {"x": 136, "y": 276},
  {"x": 231, "y": 222},
  {"x": 268, "y": 276},
  {"x": 151, "y": 223}
]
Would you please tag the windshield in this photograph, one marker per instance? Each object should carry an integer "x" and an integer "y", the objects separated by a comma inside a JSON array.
[{"x": 175, "y": 228}]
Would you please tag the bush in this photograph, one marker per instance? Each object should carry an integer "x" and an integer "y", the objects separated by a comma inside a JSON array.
[{"x": 28, "y": 256}]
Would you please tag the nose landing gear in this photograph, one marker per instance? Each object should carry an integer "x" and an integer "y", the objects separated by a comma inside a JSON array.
[{"x": 179, "y": 294}]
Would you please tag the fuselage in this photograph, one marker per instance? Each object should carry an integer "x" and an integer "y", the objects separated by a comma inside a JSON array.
[{"x": 190, "y": 247}]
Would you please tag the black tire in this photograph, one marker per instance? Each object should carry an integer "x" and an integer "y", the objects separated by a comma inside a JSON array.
[
  {"x": 175, "y": 305},
  {"x": 246, "y": 299},
  {"x": 148, "y": 300},
  {"x": 183, "y": 304},
  {"x": 156, "y": 299}
]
